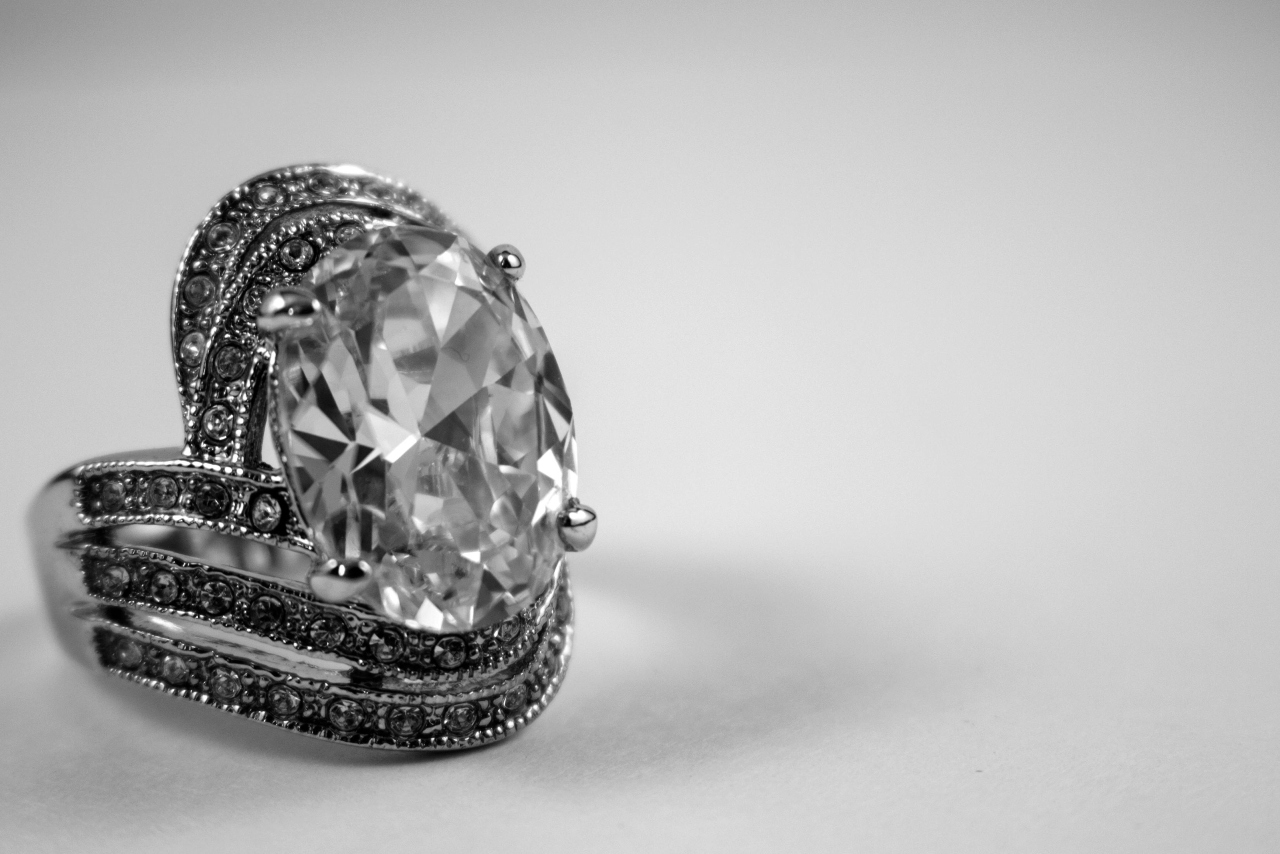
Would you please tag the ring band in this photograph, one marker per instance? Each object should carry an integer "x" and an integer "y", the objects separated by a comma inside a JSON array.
[{"x": 399, "y": 580}]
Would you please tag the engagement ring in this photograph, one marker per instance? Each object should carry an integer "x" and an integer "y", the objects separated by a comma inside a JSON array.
[{"x": 363, "y": 537}]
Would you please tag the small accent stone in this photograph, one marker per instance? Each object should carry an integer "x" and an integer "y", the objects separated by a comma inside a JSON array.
[
  {"x": 199, "y": 291},
  {"x": 192, "y": 349},
  {"x": 283, "y": 701},
  {"x": 345, "y": 715},
  {"x": 326, "y": 632},
  {"x": 564, "y": 607},
  {"x": 450, "y": 652},
  {"x": 128, "y": 654},
  {"x": 387, "y": 645},
  {"x": 112, "y": 495},
  {"x": 323, "y": 183},
  {"x": 164, "y": 587},
  {"x": 174, "y": 670},
  {"x": 230, "y": 361},
  {"x": 266, "y": 612},
  {"x": 515, "y": 699},
  {"x": 113, "y": 581},
  {"x": 217, "y": 423},
  {"x": 405, "y": 721},
  {"x": 212, "y": 499},
  {"x": 216, "y": 597},
  {"x": 460, "y": 719},
  {"x": 297, "y": 254},
  {"x": 267, "y": 195},
  {"x": 509, "y": 629},
  {"x": 252, "y": 299},
  {"x": 223, "y": 236},
  {"x": 350, "y": 231},
  {"x": 163, "y": 492},
  {"x": 266, "y": 513},
  {"x": 224, "y": 684}
]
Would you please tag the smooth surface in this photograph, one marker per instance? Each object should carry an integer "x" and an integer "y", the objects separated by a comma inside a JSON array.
[{"x": 925, "y": 368}]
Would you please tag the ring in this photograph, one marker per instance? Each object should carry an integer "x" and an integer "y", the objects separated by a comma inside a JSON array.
[{"x": 363, "y": 537}]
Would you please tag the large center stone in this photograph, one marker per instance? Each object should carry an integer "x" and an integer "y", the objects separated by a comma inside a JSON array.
[{"x": 425, "y": 427}]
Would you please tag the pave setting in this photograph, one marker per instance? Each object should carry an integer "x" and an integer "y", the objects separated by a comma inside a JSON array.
[{"x": 423, "y": 423}]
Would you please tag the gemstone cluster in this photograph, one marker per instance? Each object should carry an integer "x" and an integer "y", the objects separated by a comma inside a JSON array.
[{"x": 424, "y": 425}]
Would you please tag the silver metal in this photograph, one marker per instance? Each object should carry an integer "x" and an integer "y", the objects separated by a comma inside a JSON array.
[
  {"x": 192, "y": 571},
  {"x": 206, "y": 609},
  {"x": 334, "y": 581},
  {"x": 286, "y": 308},
  {"x": 509, "y": 260},
  {"x": 577, "y": 525}
]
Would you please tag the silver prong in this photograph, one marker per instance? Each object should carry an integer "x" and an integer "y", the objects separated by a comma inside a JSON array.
[
  {"x": 508, "y": 259},
  {"x": 337, "y": 581},
  {"x": 286, "y": 308},
  {"x": 577, "y": 523}
]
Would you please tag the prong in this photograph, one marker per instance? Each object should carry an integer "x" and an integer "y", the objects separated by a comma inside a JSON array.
[
  {"x": 508, "y": 259},
  {"x": 287, "y": 308},
  {"x": 577, "y": 523},
  {"x": 337, "y": 581}
]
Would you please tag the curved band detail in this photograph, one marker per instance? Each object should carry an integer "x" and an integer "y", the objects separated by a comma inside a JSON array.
[{"x": 229, "y": 621}]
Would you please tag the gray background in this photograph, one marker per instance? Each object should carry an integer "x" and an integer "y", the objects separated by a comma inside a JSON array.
[{"x": 924, "y": 359}]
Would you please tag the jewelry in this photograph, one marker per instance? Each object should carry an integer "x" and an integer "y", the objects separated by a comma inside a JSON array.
[{"x": 399, "y": 579}]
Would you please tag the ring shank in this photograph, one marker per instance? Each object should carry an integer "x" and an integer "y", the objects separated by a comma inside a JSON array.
[{"x": 229, "y": 621}]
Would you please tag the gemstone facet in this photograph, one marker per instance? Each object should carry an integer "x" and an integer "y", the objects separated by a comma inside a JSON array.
[{"x": 426, "y": 429}]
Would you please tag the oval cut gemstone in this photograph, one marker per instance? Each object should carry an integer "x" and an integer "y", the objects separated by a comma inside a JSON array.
[{"x": 425, "y": 427}]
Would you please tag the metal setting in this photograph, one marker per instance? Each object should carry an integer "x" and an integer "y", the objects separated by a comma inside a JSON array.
[
  {"x": 577, "y": 525},
  {"x": 286, "y": 308},
  {"x": 194, "y": 570},
  {"x": 508, "y": 259}
]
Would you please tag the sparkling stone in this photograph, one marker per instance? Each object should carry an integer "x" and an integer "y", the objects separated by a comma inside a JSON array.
[
  {"x": 224, "y": 684},
  {"x": 192, "y": 349},
  {"x": 199, "y": 291},
  {"x": 174, "y": 670},
  {"x": 515, "y": 699},
  {"x": 212, "y": 499},
  {"x": 345, "y": 714},
  {"x": 426, "y": 428},
  {"x": 216, "y": 597},
  {"x": 266, "y": 612},
  {"x": 164, "y": 587},
  {"x": 406, "y": 721},
  {"x": 230, "y": 361},
  {"x": 450, "y": 652},
  {"x": 253, "y": 299},
  {"x": 217, "y": 423},
  {"x": 326, "y": 632},
  {"x": 509, "y": 630},
  {"x": 350, "y": 231},
  {"x": 266, "y": 195},
  {"x": 387, "y": 645},
  {"x": 324, "y": 183},
  {"x": 163, "y": 492},
  {"x": 283, "y": 701},
  {"x": 113, "y": 581},
  {"x": 128, "y": 654},
  {"x": 223, "y": 236},
  {"x": 564, "y": 607},
  {"x": 265, "y": 514},
  {"x": 297, "y": 254},
  {"x": 460, "y": 719},
  {"x": 113, "y": 495}
]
